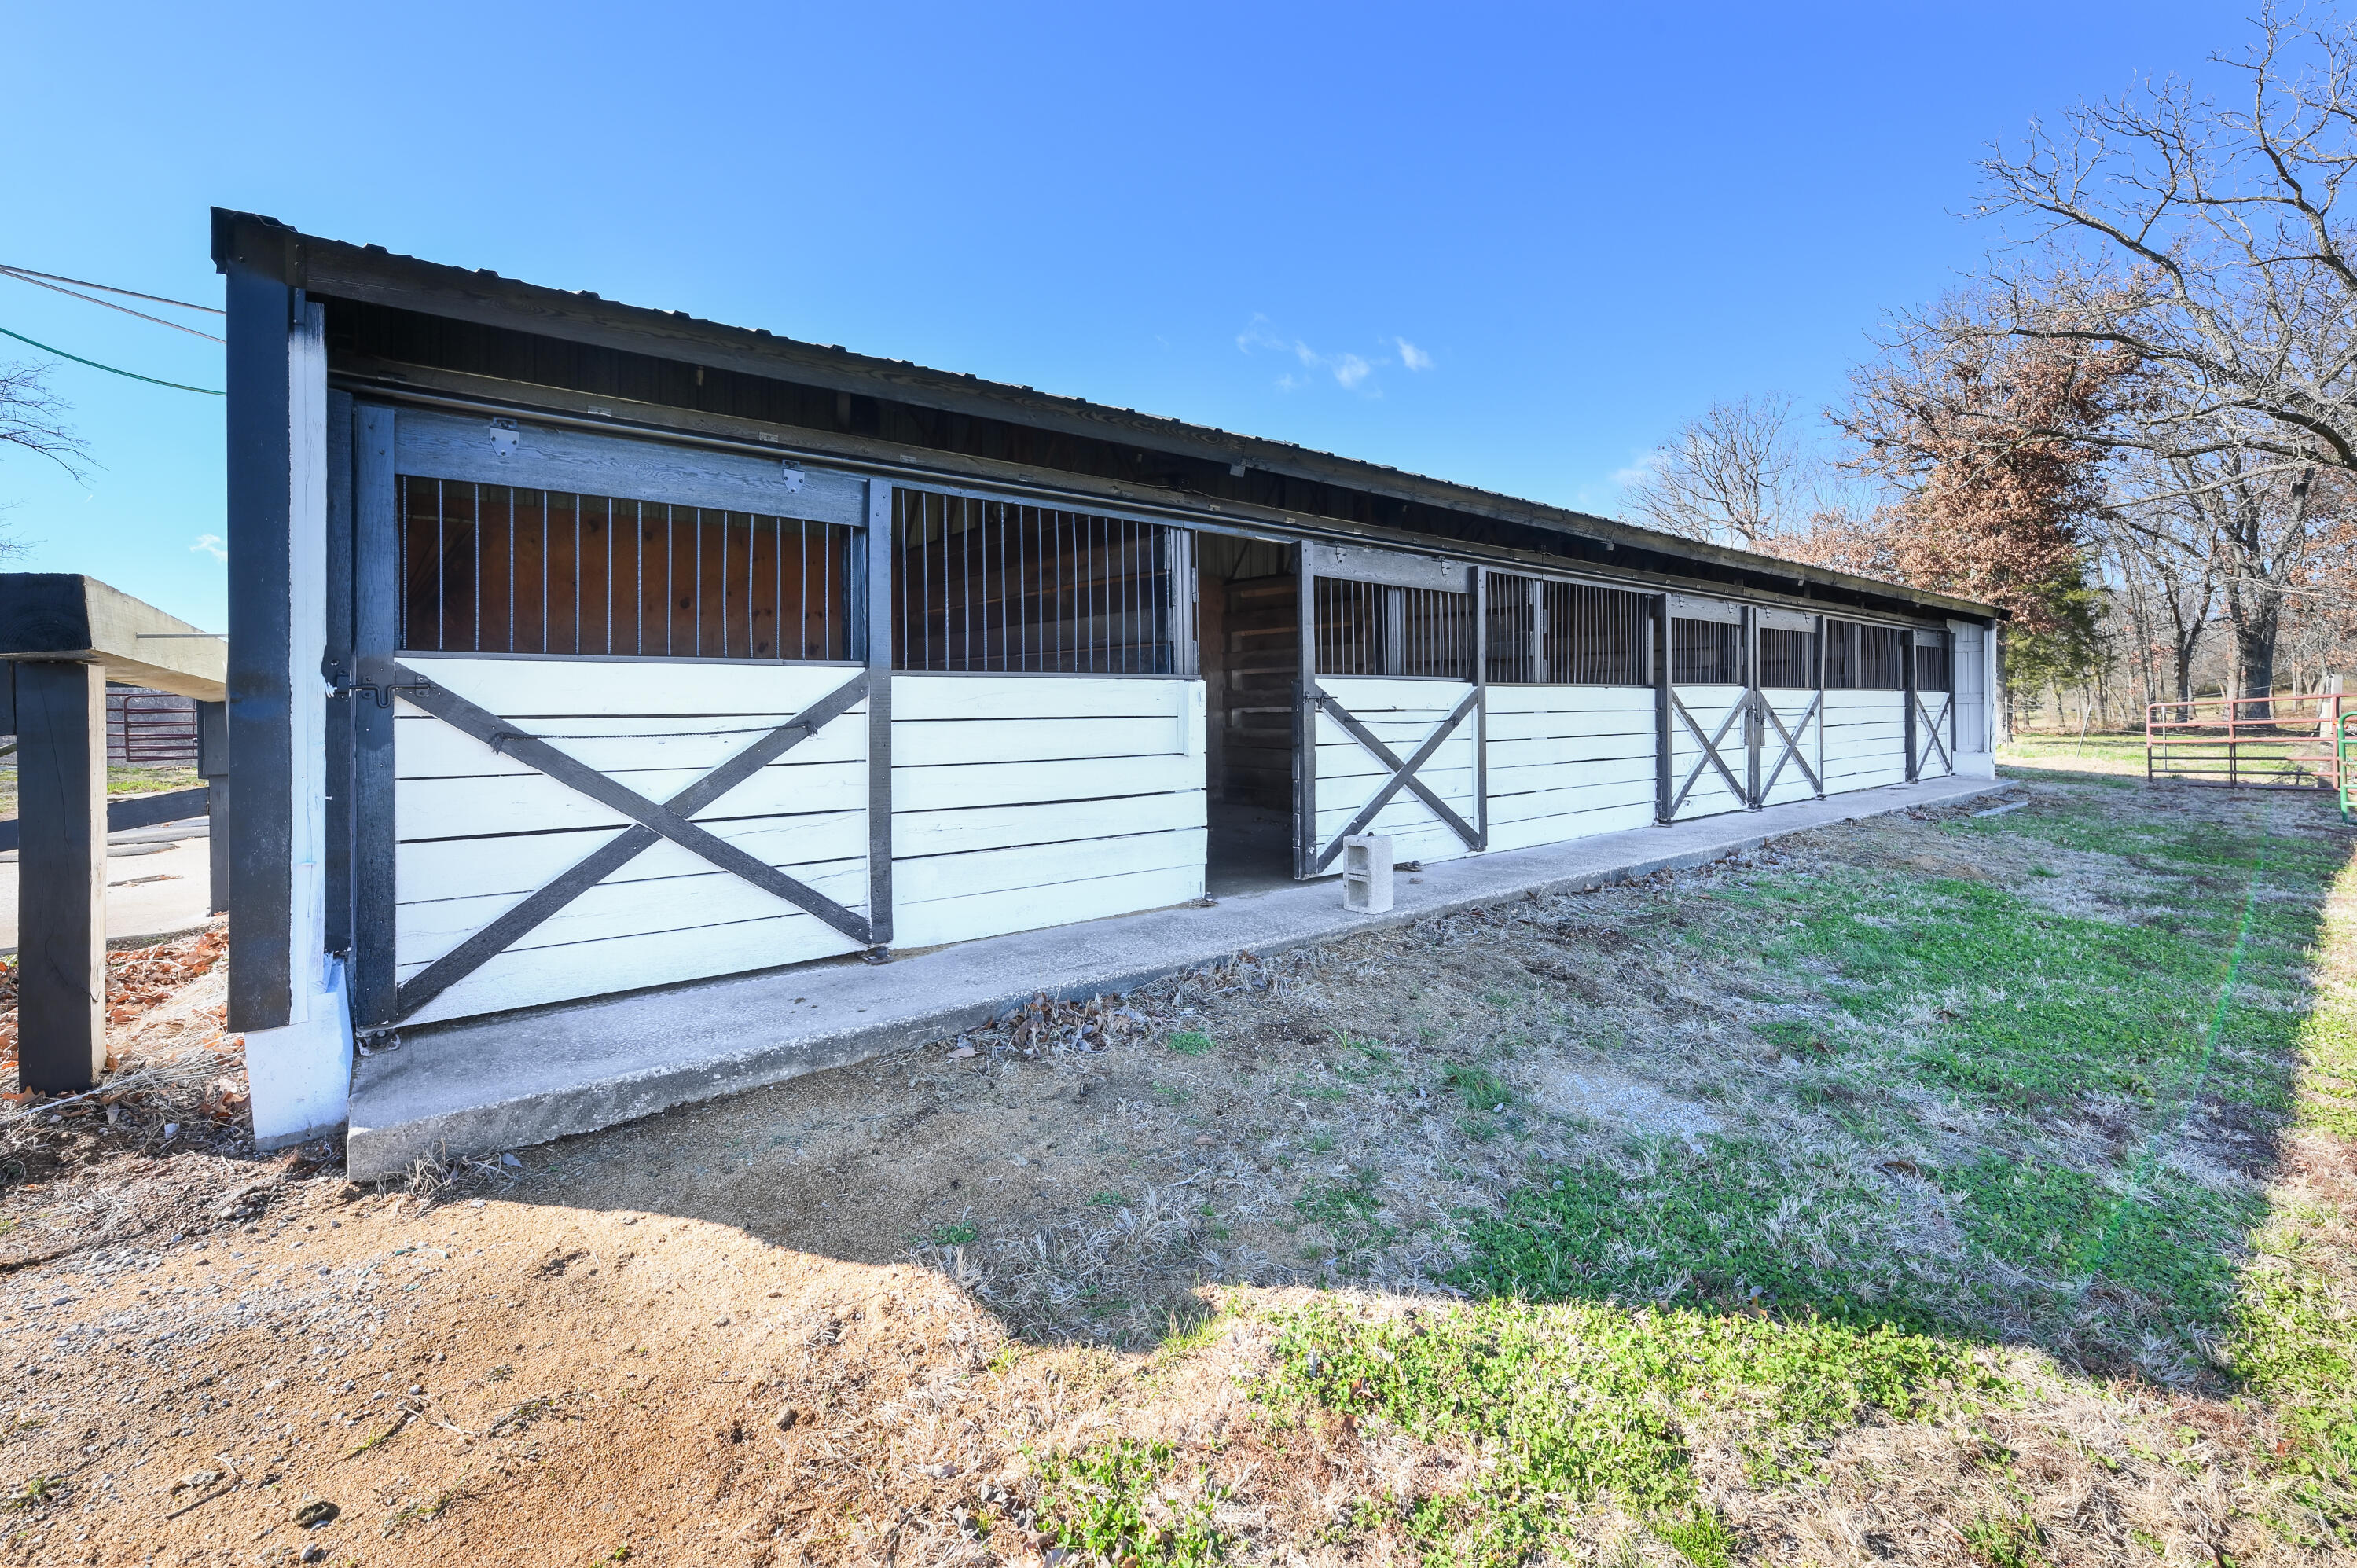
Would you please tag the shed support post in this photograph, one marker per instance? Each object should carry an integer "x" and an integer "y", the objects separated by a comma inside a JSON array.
[
  {"x": 212, "y": 766},
  {"x": 1539, "y": 673},
  {"x": 61, "y": 874},
  {"x": 1818, "y": 641},
  {"x": 876, "y": 622},
  {"x": 1305, "y": 718},
  {"x": 1662, "y": 707},
  {"x": 1755, "y": 724},
  {"x": 1907, "y": 672},
  {"x": 1481, "y": 708}
]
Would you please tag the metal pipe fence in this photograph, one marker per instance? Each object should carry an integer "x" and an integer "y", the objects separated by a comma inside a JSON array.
[{"x": 2251, "y": 743}]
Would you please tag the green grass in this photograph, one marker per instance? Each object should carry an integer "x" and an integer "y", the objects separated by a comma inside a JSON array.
[
  {"x": 1190, "y": 1043},
  {"x": 954, "y": 1235},
  {"x": 1130, "y": 1501},
  {"x": 1989, "y": 1031},
  {"x": 1572, "y": 1403}
]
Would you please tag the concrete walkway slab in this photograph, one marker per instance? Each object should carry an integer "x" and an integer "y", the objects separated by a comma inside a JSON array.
[
  {"x": 502, "y": 1082},
  {"x": 158, "y": 885}
]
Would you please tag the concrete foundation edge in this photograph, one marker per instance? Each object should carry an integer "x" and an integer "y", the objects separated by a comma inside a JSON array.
[{"x": 373, "y": 1153}]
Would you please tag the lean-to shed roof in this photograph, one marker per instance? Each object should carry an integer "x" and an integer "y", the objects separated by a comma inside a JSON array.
[{"x": 997, "y": 433}]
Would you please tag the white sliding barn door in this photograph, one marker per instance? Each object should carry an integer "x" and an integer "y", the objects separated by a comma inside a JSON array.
[{"x": 480, "y": 832}]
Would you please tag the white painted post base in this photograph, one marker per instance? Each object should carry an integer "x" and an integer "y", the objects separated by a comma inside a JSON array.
[
  {"x": 300, "y": 1075},
  {"x": 1367, "y": 873},
  {"x": 1976, "y": 764}
]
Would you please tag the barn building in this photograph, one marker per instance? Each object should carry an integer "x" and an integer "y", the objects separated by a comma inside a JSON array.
[{"x": 578, "y": 650}]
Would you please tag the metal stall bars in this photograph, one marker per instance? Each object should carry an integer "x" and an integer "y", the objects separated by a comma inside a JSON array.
[{"x": 1373, "y": 622}]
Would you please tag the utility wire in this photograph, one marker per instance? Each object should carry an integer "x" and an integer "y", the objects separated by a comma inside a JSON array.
[
  {"x": 109, "y": 288},
  {"x": 94, "y": 365},
  {"x": 91, "y": 299}
]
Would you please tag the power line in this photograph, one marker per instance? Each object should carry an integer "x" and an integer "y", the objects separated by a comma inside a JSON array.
[
  {"x": 94, "y": 365},
  {"x": 109, "y": 288},
  {"x": 35, "y": 279}
]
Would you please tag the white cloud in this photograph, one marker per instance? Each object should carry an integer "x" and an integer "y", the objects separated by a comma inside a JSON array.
[
  {"x": 1414, "y": 358},
  {"x": 1351, "y": 372},
  {"x": 209, "y": 544}
]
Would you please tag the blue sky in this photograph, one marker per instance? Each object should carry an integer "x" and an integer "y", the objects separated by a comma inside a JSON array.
[{"x": 1510, "y": 246}]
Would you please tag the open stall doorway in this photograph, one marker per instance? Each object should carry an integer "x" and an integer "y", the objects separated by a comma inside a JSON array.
[{"x": 1250, "y": 640}]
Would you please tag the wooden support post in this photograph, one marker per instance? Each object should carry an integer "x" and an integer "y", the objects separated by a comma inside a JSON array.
[
  {"x": 1755, "y": 724},
  {"x": 61, "y": 874},
  {"x": 1481, "y": 708},
  {"x": 1907, "y": 672},
  {"x": 212, "y": 766},
  {"x": 1661, "y": 804},
  {"x": 875, "y": 624},
  {"x": 1540, "y": 675},
  {"x": 1305, "y": 716}
]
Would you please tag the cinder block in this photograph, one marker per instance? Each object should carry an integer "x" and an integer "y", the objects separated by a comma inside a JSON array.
[{"x": 1367, "y": 873}]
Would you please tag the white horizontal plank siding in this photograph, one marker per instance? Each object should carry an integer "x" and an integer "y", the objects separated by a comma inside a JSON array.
[
  {"x": 1710, "y": 796},
  {"x": 1402, "y": 714},
  {"x": 1791, "y": 784},
  {"x": 974, "y": 915},
  {"x": 1022, "y": 802},
  {"x": 1568, "y": 761},
  {"x": 533, "y": 977},
  {"x": 477, "y": 832},
  {"x": 1866, "y": 740},
  {"x": 530, "y": 688}
]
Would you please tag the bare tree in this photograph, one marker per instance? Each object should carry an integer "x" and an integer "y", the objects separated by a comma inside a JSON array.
[
  {"x": 2165, "y": 564},
  {"x": 2204, "y": 239},
  {"x": 1736, "y": 475},
  {"x": 31, "y": 420}
]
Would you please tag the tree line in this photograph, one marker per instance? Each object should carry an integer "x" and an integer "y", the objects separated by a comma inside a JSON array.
[{"x": 2136, "y": 429}]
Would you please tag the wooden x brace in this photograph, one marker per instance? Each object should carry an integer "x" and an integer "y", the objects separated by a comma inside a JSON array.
[
  {"x": 1932, "y": 734},
  {"x": 1791, "y": 747},
  {"x": 666, "y": 820},
  {"x": 1403, "y": 773},
  {"x": 1710, "y": 758}
]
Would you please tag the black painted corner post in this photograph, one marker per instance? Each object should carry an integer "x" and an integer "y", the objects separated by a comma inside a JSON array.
[
  {"x": 60, "y": 874},
  {"x": 1662, "y": 707},
  {"x": 876, "y": 623},
  {"x": 376, "y": 635},
  {"x": 1906, "y": 669},
  {"x": 212, "y": 766},
  {"x": 262, "y": 268}
]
